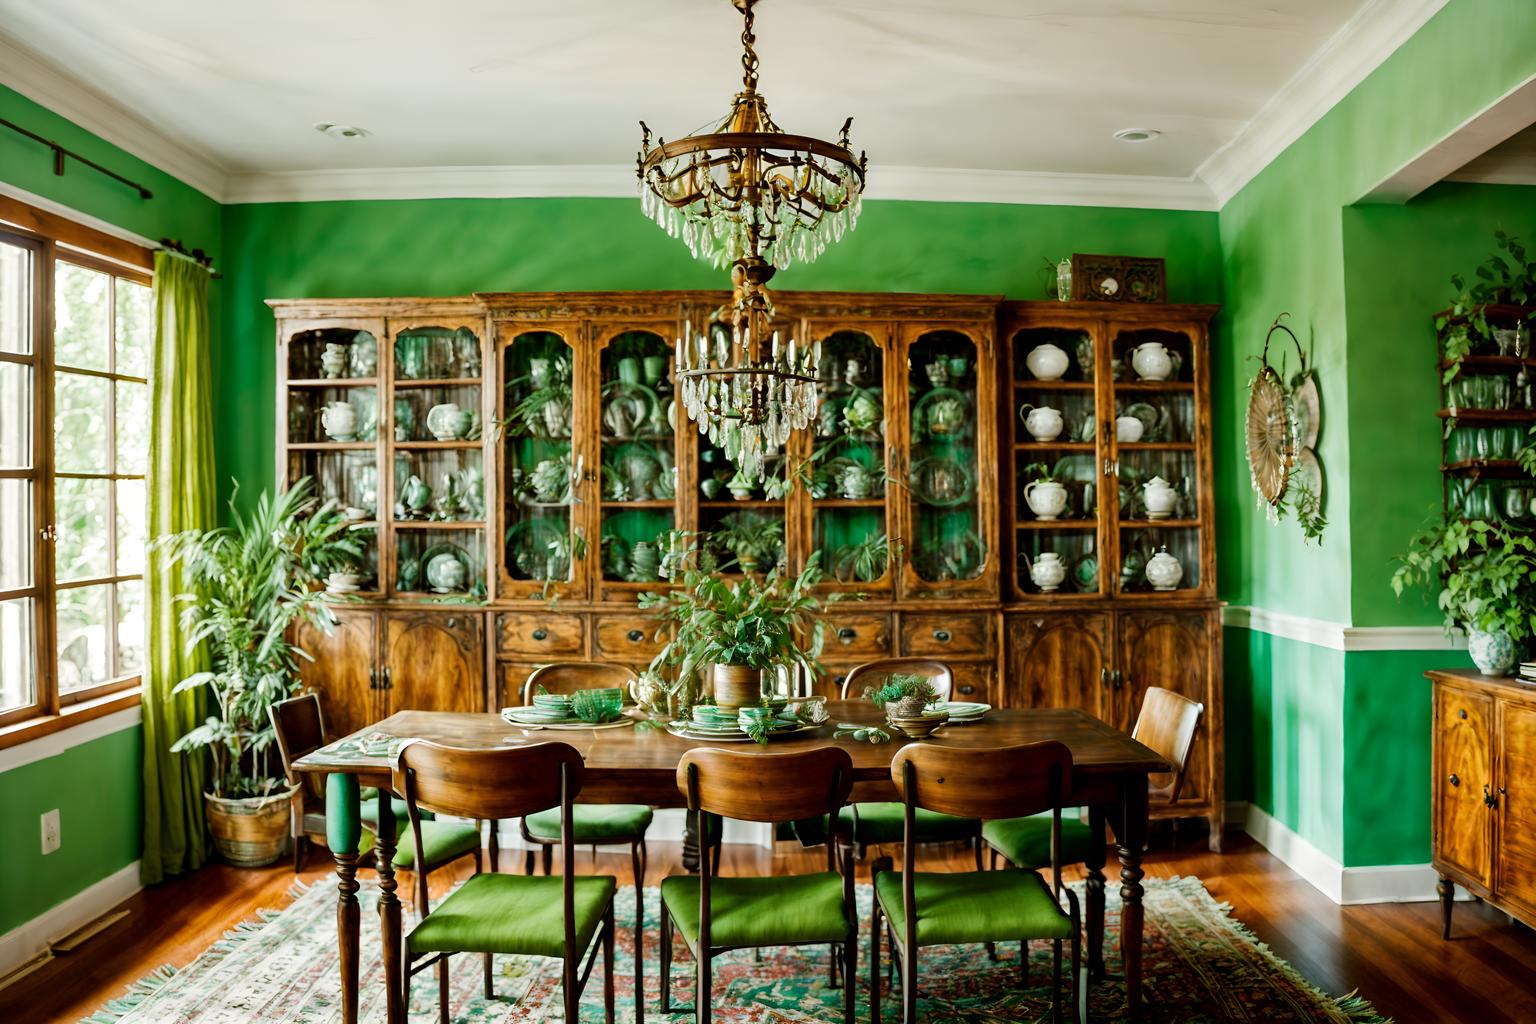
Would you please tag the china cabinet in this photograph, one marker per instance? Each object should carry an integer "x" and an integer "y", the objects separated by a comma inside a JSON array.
[{"x": 519, "y": 464}]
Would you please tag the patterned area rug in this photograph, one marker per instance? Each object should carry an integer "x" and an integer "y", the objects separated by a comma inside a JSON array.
[{"x": 1199, "y": 965}]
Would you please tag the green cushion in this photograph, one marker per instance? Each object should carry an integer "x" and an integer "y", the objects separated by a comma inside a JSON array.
[
  {"x": 1026, "y": 842},
  {"x": 495, "y": 913},
  {"x": 886, "y": 823},
  {"x": 777, "y": 911},
  {"x": 593, "y": 823},
  {"x": 443, "y": 841},
  {"x": 975, "y": 906}
]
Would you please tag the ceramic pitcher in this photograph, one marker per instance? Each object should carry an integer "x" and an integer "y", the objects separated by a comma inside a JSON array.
[
  {"x": 1042, "y": 422},
  {"x": 1047, "y": 499},
  {"x": 1151, "y": 361},
  {"x": 340, "y": 421}
]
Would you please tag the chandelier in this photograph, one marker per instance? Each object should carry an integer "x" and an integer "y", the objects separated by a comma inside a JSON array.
[{"x": 749, "y": 195}]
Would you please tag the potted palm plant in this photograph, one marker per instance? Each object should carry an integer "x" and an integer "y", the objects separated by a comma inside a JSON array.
[
  {"x": 737, "y": 630},
  {"x": 249, "y": 583}
]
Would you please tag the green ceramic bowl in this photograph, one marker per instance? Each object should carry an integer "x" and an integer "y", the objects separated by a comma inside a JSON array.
[{"x": 597, "y": 705}]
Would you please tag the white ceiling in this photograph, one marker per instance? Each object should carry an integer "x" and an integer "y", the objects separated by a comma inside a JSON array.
[
  {"x": 473, "y": 88},
  {"x": 1511, "y": 162}
]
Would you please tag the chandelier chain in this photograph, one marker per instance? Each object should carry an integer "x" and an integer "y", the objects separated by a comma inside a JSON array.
[{"x": 748, "y": 54}]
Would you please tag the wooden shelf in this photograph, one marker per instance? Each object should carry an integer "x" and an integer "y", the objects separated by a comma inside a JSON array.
[
  {"x": 1056, "y": 524},
  {"x": 437, "y": 446},
  {"x": 1489, "y": 415},
  {"x": 648, "y": 503},
  {"x": 332, "y": 446},
  {"x": 437, "y": 524},
  {"x": 1491, "y": 364},
  {"x": 1160, "y": 524},
  {"x": 1155, "y": 446},
  {"x": 1053, "y": 385},
  {"x": 668, "y": 439},
  {"x": 751, "y": 503},
  {"x": 1054, "y": 446},
  {"x": 847, "y": 502},
  {"x": 1153, "y": 386},
  {"x": 438, "y": 382},
  {"x": 334, "y": 382},
  {"x": 1497, "y": 468}
]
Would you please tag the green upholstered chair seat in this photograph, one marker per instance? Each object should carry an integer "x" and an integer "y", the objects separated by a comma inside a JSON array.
[
  {"x": 495, "y": 913},
  {"x": 975, "y": 906},
  {"x": 777, "y": 911},
  {"x": 1026, "y": 842},
  {"x": 443, "y": 841},
  {"x": 885, "y": 822},
  {"x": 593, "y": 823}
]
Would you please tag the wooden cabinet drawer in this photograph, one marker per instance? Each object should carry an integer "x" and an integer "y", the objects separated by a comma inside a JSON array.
[
  {"x": 830, "y": 682},
  {"x": 957, "y": 635},
  {"x": 627, "y": 639},
  {"x": 541, "y": 634},
  {"x": 510, "y": 677},
  {"x": 856, "y": 636},
  {"x": 973, "y": 681}
]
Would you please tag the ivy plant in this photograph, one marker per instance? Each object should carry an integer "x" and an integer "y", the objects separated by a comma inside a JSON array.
[
  {"x": 1486, "y": 574},
  {"x": 1506, "y": 276}
]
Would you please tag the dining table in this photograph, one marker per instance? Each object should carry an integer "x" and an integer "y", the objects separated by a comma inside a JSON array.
[{"x": 638, "y": 764}]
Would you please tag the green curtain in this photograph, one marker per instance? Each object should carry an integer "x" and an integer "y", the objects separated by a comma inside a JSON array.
[{"x": 181, "y": 497}]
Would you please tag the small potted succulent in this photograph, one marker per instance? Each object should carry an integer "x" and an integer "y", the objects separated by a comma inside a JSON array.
[{"x": 902, "y": 695}]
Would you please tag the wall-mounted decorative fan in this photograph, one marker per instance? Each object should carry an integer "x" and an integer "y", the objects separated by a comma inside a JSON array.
[{"x": 1272, "y": 426}]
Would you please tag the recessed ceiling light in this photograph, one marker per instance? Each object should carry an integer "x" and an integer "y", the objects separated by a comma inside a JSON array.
[
  {"x": 340, "y": 131},
  {"x": 1137, "y": 134}
]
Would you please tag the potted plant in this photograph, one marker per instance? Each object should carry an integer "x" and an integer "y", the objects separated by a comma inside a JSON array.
[
  {"x": 863, "y": 562},
  {"x": 1504, "y": 277},
  {"x": 250, "y": 583},
  {"x": 752, "y": 538},
  {"x": 1487, "y": 579},
  {"x": 902, "y": 695},
  {"x": 735, "y": 630}
]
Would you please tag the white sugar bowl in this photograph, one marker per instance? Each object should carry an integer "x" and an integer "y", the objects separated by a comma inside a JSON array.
[
  {"x": 1159, "y": 497},
  {"x": 1047, "y": 499},
  {"x": 1047, "y": 571},
  {"x": 1164, "y": 571},
  {"x": 1151, "y": 361},
  {"x": 1047, "y": 362},
  {"x": 340, "y": 421}
]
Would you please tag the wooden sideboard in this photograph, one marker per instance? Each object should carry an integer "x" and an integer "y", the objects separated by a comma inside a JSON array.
[
  {"x": 1483, "y": 828},
  {"x": 554, "y": 576}
]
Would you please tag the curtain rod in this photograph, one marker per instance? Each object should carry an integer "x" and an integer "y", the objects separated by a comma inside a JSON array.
[
  {"x": 61, "y": 152},
  {"x": 198, "y": 256}
]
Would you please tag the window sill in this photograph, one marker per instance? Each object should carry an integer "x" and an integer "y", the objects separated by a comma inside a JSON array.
[{"x": 75, "y": 714}]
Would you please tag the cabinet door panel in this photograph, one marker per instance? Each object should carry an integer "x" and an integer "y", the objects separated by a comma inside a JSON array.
[
  {"x": 1057, "y": 660},
  {"x": 435, "y": 661},
  {"x": 1463, "y": 728},
  {"x": 1515, "y": 880},
  {"x": 343, "y": 671},
  {"x": 1170, "y": 650}
]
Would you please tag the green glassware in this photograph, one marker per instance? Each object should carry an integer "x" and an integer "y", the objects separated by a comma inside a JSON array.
[{"x": 598, "y": 705}]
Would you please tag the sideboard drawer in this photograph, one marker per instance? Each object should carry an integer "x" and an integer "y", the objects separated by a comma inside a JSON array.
[
  {"x": 973, "y": 681},
  {"x": 541, "y": 634},
  {"x": 627, "y": 639},
  {"x": 956, "y": 635},
  {"x": 510, "y": 678},
  {"x": 856, "y": 635}
]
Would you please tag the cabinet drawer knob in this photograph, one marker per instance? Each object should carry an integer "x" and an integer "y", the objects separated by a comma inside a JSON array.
[
  {"x": 635, "y": 636},
  {"x": 541, "y": 633},
  {"x": 967, "y": 689},
  {"x": 1455, "y": 779},
  {"x": 846, "y": 634},
  {"x": 941, "y": 635},
  {"x": 1462, "y": 713},
  {"x": 452, "y": 623}
]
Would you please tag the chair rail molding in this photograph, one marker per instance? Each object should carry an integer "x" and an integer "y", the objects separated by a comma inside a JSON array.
[{"x": 1340, "y": 636}]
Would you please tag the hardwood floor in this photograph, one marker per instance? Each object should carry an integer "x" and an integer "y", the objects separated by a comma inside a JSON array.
[{"x": 1391, "y": 953}]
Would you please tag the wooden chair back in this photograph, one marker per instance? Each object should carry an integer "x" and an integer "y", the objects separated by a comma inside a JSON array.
[
  {"x": 983, "y": 782},
  {"x": 570, "y": 676},
  {"x": 1167, "y": 724},
  {"x": 873, "y": 673},
  {"x": 766, "y": 787},
  {"x": 298, "y": 725}
]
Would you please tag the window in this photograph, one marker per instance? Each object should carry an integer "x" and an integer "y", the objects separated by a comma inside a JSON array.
[{"x": 75, "y": 338}]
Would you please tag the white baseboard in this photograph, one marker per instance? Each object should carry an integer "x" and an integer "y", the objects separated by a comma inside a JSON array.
[
  {"x": 666, "y": 827},
  {"x": 1381, "y": 883},
  {"x": 30, "y": 938}
]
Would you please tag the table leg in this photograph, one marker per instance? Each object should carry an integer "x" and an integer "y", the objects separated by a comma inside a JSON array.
[
  {"x": 389, "y": 906},
  {"x": 343, "y": 829},
  {"x": 1094, "y": 922},
  {"x": 1131, "y": 840}
]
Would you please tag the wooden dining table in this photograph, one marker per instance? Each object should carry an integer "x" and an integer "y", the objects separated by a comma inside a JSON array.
[{"x": 639, "y": 765}]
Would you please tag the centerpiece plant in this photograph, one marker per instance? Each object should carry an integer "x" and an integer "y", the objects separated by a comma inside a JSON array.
[
  {"x": 249, "y": 584},
  {"x": 903, "y": 695}
]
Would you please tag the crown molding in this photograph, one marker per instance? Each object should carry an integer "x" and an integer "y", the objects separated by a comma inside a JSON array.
[
  {"x": 1339, "y": 636},
  {"x": 1359, "y": 47},
  {"x": 618, "y": 180}
]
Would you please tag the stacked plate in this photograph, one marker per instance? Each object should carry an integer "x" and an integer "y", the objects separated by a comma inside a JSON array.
[
  {"x": 547, "y": 709},
  {"x": 962, "y": 712},
  {"x": 715, "y": 723}
]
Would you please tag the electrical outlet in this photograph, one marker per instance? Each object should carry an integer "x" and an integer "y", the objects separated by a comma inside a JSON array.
[{"x": 50, "y": 830}]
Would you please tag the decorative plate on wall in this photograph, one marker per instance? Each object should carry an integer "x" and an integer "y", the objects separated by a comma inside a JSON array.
[{"x": 1271, "y": 427}]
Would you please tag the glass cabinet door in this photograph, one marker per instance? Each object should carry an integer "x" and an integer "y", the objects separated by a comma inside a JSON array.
[
  {"x": 950, "y": 463},
  {"x": 540, "y": 468},
  {"x": 1053, "y": 426},
  {"x": 329, "y": 429},
  {"x": 844, "y": 469},
  {"x": 1155, "y": 458},
  {"x": 436, "y": 448},
  {"x": 637, "y": 457}
]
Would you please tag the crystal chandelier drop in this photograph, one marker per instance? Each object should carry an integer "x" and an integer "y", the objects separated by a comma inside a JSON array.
[{"x": 749, "y": 195}]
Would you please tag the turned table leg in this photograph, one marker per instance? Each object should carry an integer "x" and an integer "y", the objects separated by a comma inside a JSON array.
[
  {"x": 1094, "y": 919},
  {"x": 1131, "y": 840},
  {"x": 343, "y": 829},
  {"x": 1447, "y": 892},
  {"x": 389, "y": 907}
]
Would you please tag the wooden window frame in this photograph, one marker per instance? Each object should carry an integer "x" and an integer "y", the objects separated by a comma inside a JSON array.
[{"x": 52, "y": 239}]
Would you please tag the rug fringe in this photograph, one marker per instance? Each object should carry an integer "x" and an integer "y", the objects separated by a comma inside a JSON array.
[{"x": 138, "y": 991}]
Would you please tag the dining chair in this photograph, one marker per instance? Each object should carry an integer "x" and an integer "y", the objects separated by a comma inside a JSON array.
[
  {"x": 877, "y": 823},
  {"x": 1167, "y": 723},
  {"x": 951, "y": 908},
  {"x": 513, "y": 914},
  {"x": 594, "y": 824},
  {"x": 298, "y": 725},
  {"x": 713, "y": 914}
]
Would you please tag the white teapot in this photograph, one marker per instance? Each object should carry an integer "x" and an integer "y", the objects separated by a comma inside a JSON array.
[
  {"x": 1047, "y": 362},
  {"x": 1042, "y": 422},
  {"x": 1164, "y": 571},
  {"x": 340, "y": 421},
  {"x": 1047, "y": 499},
  {"x": 1047, "y": 571},
  {"x": 1151, "y": 361},
  {"x": 1159, "y": 497}
]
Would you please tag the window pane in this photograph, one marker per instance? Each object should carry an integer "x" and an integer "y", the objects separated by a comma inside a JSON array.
[
  {"x": 132, "y": 515},
  {"x": 82, "y": 332},
  {"x": 84, "y": 637},
  {"x": 15, "y": 299},
  {"x": 15, "y": 416},
  {"x": 132, "y": 427},
  {"x": 16, "y": 536},
  {"x": 80, "y": 423},
  {"x": 130, "y": 627},
  {"x": 134, "y": 328},
  {"x": 18, "y": 668},
  {"x": 80, "y": 512}
]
